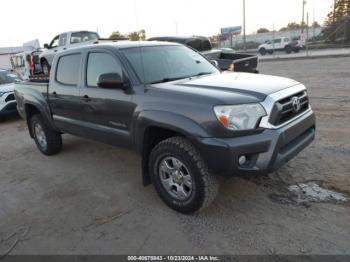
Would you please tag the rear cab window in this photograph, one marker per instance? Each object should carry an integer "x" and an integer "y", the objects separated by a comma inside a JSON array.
[
  {"x": 78, "y": 37},
  {"x": 68, "y": 68}
]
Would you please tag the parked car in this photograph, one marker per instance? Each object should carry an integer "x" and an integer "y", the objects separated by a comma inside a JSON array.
[
  {"x": 7, "y": 97},
  {"x": 62, "y": 42},
  {"x": 189, "y": 121},
  {"x": 22, "y": 62},
  {"x": 299, "y": 41},
  {"x": 226, "y": 60},
  {"x": 279, "y": 44}
]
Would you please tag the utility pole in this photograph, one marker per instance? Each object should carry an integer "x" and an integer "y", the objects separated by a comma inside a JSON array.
[
  {"x": 307, "y": 34},
  {"x": 335, "y": 2},
  {"x": 302, "y": 21},
  {"x": 244, "y": 40}
]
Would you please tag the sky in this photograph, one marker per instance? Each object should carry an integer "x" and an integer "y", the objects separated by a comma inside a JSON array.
[{"x": 25, "y": 20}]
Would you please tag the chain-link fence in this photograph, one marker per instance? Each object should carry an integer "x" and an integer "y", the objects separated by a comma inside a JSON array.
[{"x": 314, "y": 41}]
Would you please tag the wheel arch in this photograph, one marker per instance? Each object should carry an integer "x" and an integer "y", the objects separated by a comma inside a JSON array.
[
  {"x": 156, "y": 126},
  {"x": 33, "y": 109}
]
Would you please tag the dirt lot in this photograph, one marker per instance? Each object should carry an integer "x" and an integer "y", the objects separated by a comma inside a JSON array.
[{"x": 89, "y": 199}]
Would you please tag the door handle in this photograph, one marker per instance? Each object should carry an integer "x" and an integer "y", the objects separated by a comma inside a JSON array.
[{"x": 86, "y": 98}]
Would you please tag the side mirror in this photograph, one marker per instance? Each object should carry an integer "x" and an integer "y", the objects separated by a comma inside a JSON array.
[
  {"x": 215, "y": 63},
  {"x": 46, "y": 46},
  {"x": 110, "y": 80}
]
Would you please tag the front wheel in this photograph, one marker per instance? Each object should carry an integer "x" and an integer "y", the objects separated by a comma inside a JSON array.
[
  {"x": 180, "y": 176},
  {"x": 288, "y": 49},
  {"x": 48, "y": 141}
]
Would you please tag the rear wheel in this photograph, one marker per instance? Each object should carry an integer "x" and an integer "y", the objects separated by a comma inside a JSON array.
[
  {"x": 270, "y": 52},
  {"x": 288, "y": 49},
  {"x": 262, "y": 51},
  {"x": 48, "y": 141},
  {"x": 180, "y": 176}
]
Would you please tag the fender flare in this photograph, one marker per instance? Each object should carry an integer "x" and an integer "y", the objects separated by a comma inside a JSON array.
[
  {"x": 42, "y": 108},
  {"x": 161, "y": 119},
  {"x": 167, "y": 120}
]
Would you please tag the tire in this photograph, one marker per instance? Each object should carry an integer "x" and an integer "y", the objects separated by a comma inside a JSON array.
[
  {"x": 288, "y": 49},
  {"x": 270, "y": 52},
  {"x": 203, "y": 185},
  {"x": 45, "y": 67},
  {"x": 48, "y": 141},
  {"x": 296, "y": 50},
  {"x": 262, "y": 51}
]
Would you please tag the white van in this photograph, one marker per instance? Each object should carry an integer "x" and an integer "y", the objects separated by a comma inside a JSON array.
[{"x": 21, "y": 64}]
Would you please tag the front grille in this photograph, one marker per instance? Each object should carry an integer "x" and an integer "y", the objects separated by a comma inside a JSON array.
[
  {"x": 283, "y": 110},
  {"x": 10, "y": 97}
]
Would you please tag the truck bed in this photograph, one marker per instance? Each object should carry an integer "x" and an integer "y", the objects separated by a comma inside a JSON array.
[
  {"x": 242, "y": 62},
  {"x": 26, "y": 90}
]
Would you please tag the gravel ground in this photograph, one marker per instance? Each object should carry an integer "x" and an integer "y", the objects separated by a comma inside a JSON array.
[{"x": 89, "y": 199}]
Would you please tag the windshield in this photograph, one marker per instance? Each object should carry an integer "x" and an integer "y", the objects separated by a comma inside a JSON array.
[
  {"x": 7, "y": 78},
  {"x": 157, "y": 64}
]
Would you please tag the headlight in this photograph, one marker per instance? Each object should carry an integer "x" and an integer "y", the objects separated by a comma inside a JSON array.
[
  {"x": 240, "y": 117},
  {"x": 1, "y": 94}
]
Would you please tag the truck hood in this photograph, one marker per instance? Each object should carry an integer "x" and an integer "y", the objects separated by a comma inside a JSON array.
[
  {"x": 257, "y": 85},
  {"x": 230, "y": 87},
  {"x": 7, "y": 87}
]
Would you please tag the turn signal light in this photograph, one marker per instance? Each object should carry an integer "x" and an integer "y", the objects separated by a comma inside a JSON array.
[{"x": 224, "y": 121}]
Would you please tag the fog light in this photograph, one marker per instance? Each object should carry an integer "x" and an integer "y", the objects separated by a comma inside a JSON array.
[{"x": 242, "y": 160}]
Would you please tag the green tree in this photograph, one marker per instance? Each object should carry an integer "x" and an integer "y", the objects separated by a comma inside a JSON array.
[
  {"x": 116, "y": 35},
  {"x": 316, "y": 24},
  {"x": 338, "y": 22},
  {"x": 263, "y": 30},
  {"x": 137, "y": 35}
]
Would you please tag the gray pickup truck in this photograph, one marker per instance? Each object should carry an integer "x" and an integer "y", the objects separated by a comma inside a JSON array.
[{"x": 190, "y": 122}]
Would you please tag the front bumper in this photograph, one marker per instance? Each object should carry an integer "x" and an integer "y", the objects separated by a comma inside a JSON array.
[{"x": 265, "y": 152}]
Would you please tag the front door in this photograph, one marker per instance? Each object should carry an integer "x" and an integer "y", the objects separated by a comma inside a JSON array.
[{"x": 107, "y": 112}]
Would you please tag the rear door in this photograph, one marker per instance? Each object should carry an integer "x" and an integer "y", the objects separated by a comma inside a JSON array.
[
  {"x": 107, "y": 113},
  {"x": 64, "y": 95},
  {"x": 278, "y": 43}
]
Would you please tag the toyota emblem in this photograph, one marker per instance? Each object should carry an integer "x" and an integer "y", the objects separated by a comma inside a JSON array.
[{"x": 296, "y": 104}]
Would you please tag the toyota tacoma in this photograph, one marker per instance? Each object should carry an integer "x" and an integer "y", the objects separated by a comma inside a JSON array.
[{"x": 190, "y": 122}]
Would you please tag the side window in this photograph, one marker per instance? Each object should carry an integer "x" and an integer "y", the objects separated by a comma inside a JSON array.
[
  {"x": 68, "y": 69},
  {"x": 277, "y": 41},
  {"x": 63, "y": 40},
  {"x": 101, "y": 63},
  {"x": 54, "y": 42}
]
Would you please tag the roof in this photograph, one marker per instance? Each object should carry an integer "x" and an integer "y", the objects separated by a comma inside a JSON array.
[
  {"x": 123, "y": 44},
  {"x": 128, "y": 44},
  {"x": 179, "y": 38}
]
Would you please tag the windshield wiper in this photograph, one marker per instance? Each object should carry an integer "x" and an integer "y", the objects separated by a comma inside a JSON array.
[
  {"x": 202, "y": 74},
  {"x": 168, "y": 79}
]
